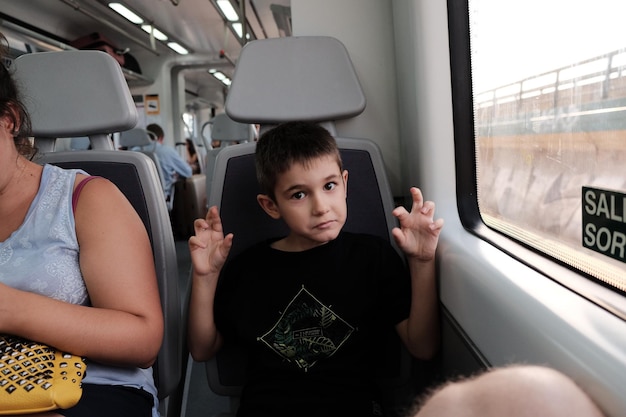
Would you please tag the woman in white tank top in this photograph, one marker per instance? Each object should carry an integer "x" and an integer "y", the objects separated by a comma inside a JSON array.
[{"x": 80, "y": 278}]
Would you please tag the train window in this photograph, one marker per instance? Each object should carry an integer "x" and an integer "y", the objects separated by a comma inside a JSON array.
[
  {"x": 549, "y": 105},
  {"x": 189, "y": 122}
]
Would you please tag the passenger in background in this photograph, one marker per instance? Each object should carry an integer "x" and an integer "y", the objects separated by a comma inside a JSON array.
[
  {"x": 310, "y": 308},
  {"x": 513, "y": 391},
  {"x": 76, "y": 271},
  {"x": 172, "y": 164},
  {"x": 192, "y": 156}
]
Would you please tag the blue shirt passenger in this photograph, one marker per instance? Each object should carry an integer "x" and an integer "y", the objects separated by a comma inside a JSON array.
[{"x": 172, "y": 164}]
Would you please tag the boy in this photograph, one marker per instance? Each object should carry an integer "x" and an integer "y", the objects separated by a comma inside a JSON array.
[{"x": 310, "y": 308}]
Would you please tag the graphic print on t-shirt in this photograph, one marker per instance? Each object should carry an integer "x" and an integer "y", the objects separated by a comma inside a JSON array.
[{"x": 307, "y": 331}]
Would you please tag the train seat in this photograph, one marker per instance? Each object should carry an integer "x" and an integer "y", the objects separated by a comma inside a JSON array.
[
  {"x": 139, "y": 140},
  {"x": 83, "y": 93},
  {"x": 228, "y": 132},
  {"x": 280, "y": 80}
]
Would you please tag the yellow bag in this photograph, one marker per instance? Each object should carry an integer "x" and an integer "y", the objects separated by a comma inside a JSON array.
[{"x": 36, "y": 378}]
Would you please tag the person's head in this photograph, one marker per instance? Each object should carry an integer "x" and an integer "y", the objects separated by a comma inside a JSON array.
[
  {"x": 302, "y": 180},
  {"x": 157, "y": 131},
  {"x": 289, "y": 143},
  {"x": 190, "y": 146},
  {"x": 13, "y": 114}
]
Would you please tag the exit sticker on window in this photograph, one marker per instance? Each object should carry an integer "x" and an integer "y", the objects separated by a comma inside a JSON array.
[{"x": 604, "y": 222}]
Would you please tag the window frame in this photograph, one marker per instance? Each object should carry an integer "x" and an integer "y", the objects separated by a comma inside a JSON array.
[{"x": 587, "y": 286}]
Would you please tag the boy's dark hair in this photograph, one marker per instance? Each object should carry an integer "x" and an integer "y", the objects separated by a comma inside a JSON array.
[
  {"x": 12, "y": 107},
  {"x": 292, "y": 142}
]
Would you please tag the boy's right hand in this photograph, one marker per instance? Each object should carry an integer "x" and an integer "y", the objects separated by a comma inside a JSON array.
[{"x": 208, "y": 247}]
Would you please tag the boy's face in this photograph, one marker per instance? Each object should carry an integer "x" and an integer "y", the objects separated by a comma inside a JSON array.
[{"x": 312, "y": 201}]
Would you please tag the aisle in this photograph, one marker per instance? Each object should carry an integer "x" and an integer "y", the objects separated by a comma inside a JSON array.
[{"x": 200, "y": 401}]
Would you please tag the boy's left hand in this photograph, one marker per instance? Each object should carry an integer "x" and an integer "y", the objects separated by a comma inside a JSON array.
[{"x": 418, "y": 234}]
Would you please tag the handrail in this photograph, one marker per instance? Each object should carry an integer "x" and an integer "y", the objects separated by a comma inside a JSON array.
[{"x": 606, "y": 65}]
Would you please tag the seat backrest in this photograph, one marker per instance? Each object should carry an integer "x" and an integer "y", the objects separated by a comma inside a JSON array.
[
  {"x": 234, "y": 192},
  {"x": 136, "y": 138},
  {"x": 280, "y": 80},
  {"x": 235, "y": 189},
  {"x": 226, "y": 129},
  {"x": 83, "y": 93},
  {"x": 136, "y": 176},
  {"x": 228, "y": 132}
]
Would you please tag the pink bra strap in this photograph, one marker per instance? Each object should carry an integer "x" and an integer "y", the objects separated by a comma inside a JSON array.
[{"x": 79, "y": 188}]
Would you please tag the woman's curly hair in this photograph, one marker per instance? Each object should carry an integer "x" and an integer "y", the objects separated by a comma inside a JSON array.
[{"x": 11, "y": 106}]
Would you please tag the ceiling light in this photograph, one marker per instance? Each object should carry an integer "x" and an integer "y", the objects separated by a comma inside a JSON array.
[
  {"x": 154, "y": 31},
  {"x": 126, "y": 13},
  {"x": 220, "y": 76},
  {"x": 228, "y": 10},
  {"x": 178, "y": 48},
  {"x": 237, "y": 27}
]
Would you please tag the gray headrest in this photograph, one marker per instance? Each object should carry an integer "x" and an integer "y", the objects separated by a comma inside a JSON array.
[
  {"x": 295, "y": 78},
  {"x": 75, "y": 93},
  {"x": 135, "y": 137},
  {"x": 226, "y": 129}
]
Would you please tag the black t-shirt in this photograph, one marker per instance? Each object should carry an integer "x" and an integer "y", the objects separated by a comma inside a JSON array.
[{"x": 313, "y": 323}]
